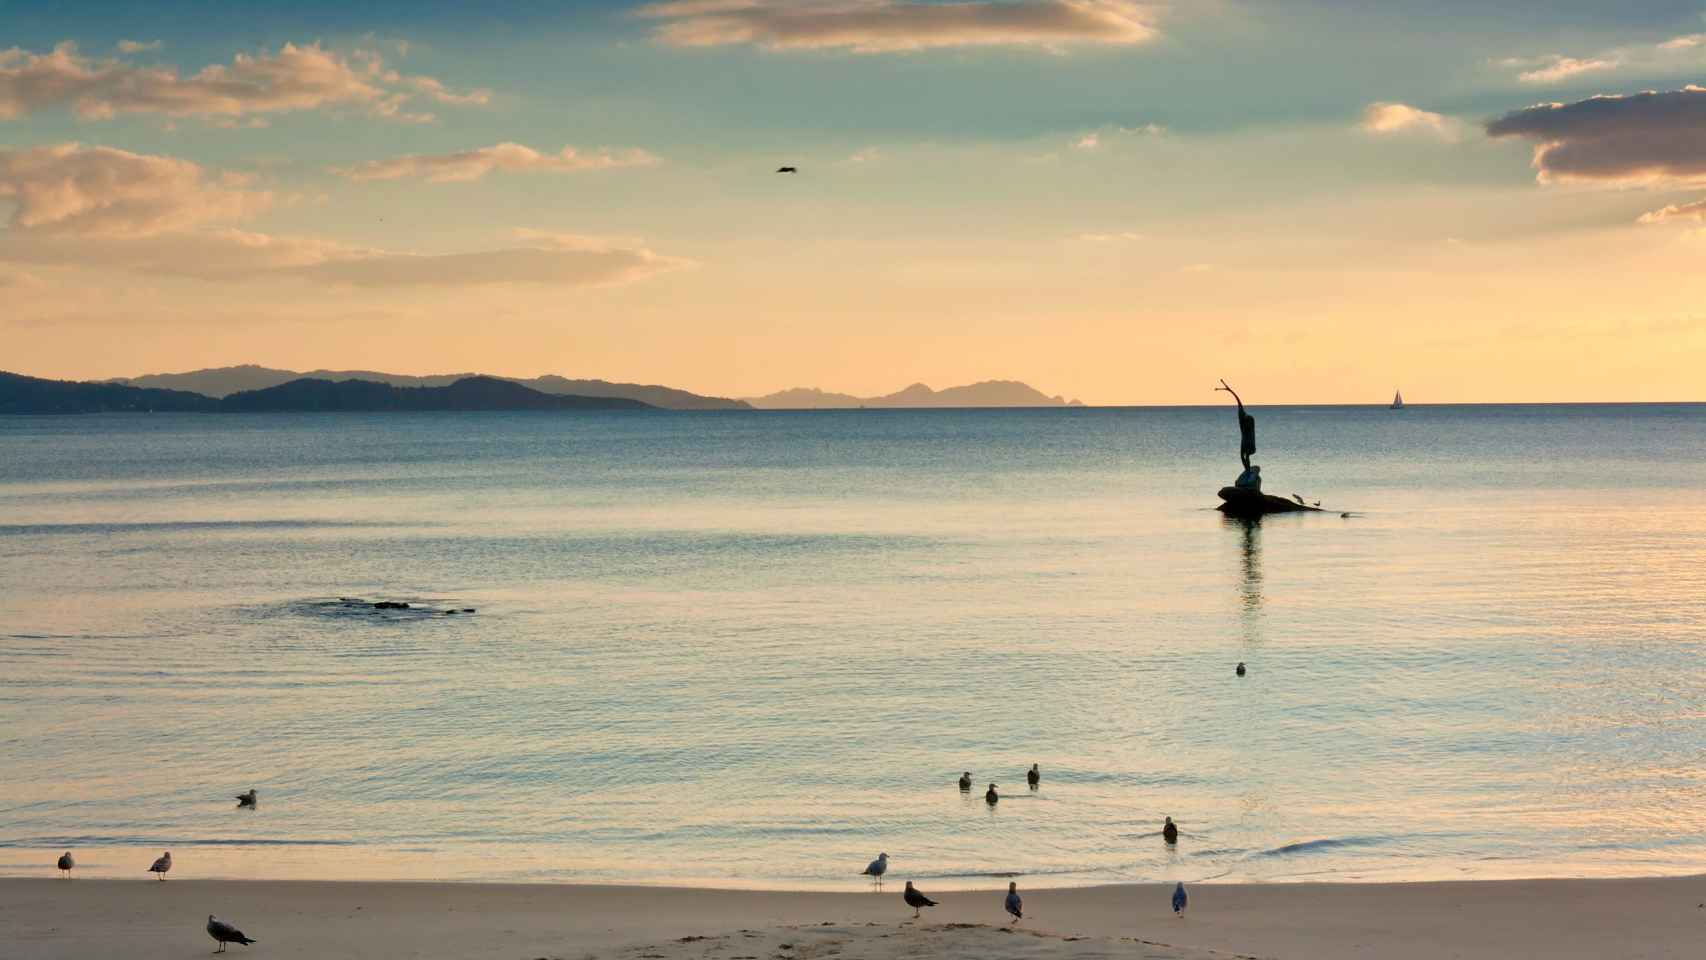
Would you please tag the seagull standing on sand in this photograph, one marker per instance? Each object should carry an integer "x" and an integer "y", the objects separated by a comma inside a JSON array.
[
  {"x": 1033, "y": 776},
  {"x": 246, "y": 799},
  {"x": 917, "y": 901},
  {"x": 162, "y": 865},
  {"x": 1015, "y": 906},
  {"x": 965, "y": 780},
  {"x": 1169, "y": 832},
  {"x": 990, "y": 796},
  {"x": 876, "y": 868},
  {"x": 225, "y": 933},
  {"x": 66, "y": 863},
  {"x": 1179, "y": 899}
]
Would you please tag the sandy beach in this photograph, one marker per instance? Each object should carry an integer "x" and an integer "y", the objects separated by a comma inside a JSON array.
[{"x": 1556, "y": 919}]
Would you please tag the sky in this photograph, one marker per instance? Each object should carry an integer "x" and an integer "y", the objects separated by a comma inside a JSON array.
[{"x": 1119, "y": 202}]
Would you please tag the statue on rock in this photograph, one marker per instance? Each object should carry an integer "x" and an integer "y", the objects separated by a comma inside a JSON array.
[{"x": 1251, "y": 478}]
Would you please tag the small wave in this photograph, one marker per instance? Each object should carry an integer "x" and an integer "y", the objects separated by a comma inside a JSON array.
[
  {"x": 167, "y": 526},
  {"x": 165, "y": 842},
  {"x": 1328, "y": 843}
]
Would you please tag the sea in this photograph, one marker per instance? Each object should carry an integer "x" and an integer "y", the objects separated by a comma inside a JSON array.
[{"x": 756, "y": 649}]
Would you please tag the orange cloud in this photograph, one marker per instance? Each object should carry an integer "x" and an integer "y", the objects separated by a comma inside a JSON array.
[
  {"x": 887, "y": 26},
  {"x": 71, "y": 190},
  {"x": 510, "y": 157},
  {"x": 296, "y": 78}
]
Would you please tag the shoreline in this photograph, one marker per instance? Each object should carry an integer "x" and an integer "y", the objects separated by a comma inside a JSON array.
[{"x": 1560, "y": 919}]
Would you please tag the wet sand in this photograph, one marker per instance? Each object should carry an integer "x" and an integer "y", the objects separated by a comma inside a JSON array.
[{"x": 1556, "y": 919}]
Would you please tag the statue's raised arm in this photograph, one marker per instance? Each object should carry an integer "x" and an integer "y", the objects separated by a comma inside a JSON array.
[{"x": 1246, "y": 433}]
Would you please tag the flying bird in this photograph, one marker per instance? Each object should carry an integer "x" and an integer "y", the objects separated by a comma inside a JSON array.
[
  {"x": 965, "y": 780},
  {"x": 1169, "y": 832},
  {"x": 1033, "y": 776},
  {"x": 1015, "y": 906},
  {"x": 225, "y": 933},
  {"x": 1240, "y": 670},
  {"x": 1299, "y": 500},
  {"x": 162, "y": 865},
  {"x": 990, "y": 796},
  {"x": 787, "y": 169},
  {"x": 876, "y": 868},
  {"x": 1316, "y": 504},
  {"x": 66, "y": 863},
  {"x": 917, "y": 901},
  {"x": 246, "y": 799},
  {"x": 1179, "y": 899}
]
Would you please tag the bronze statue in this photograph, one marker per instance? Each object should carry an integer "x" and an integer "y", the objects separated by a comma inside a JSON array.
[{"x": 1246, "y": 427}]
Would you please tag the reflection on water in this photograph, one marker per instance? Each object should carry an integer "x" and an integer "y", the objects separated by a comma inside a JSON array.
[{"x": 756, "y": 649}]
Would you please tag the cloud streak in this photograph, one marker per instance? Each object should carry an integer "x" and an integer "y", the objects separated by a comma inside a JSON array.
[
  {"x": 97, "y": 207},
  {"x": 294, "y": 79},
  {"x": 71, "y": 190},
  {"x": 468, "y": 165},
  {"x": 1557, "y": 68},
  {"x": 890, "y": 26}
]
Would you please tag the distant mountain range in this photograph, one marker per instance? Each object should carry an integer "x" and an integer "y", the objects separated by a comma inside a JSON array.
[
  {"x": 250, "y": 387},
  {"x": 20, "y": 394},
  {"x": 223, "y": 381},
  {"x": 989, "y": 393}
]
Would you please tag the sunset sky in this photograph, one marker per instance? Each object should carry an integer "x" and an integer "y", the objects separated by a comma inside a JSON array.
[{"x": 1114, "y": 201}]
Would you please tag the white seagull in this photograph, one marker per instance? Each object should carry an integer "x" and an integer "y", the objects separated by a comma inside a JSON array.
[{"x": 876, "y": 868}]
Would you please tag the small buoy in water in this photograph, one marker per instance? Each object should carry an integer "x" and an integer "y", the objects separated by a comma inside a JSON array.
[{"x": 1240, "y": 670}]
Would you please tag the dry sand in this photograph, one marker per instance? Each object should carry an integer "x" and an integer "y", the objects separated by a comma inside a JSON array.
[{"x": 1555, "y": 919}]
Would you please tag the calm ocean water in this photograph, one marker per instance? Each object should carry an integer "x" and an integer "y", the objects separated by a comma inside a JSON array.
[{"x": 756, "y": 649}]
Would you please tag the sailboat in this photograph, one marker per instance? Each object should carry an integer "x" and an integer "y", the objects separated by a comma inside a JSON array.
[{"x": 1398, "y": 400}]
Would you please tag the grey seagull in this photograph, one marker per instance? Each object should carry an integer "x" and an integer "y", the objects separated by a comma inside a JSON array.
[{"x": 225, "y": 933}]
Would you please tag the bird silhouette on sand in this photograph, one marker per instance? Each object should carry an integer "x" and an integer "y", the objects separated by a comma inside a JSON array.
[
  {"x": 916, "y": 900},
  {"x": 225, "y": 933},
  {"x": 162, "y": 865},
  {"x": 66, "y": 863},
  {"x": 1014, "y": 905}
]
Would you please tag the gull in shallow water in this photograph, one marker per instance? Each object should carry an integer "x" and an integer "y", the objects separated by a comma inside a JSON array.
[
  {"x": 1169, "y": 832},
  {"x": 1033, "y": 776},
  {"x": 66, "y": 863},
  {"x": 916, "y": 900},
  {"x": 876, "y": 868},
  {"x": 246, "y": 799},
  {"x": 162, "y": 865},
  {"x": 990, "y": 796},
  {"x": 1015, "y": 906},
  {"x": 225, "y": 933},
  {"x": 965, "y": 780}
]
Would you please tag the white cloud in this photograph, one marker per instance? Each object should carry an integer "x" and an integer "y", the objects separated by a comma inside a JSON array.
[
  {"x": 887, "y": 26},
  {"x": 138, "y": 46},
  {"x": 296, "y": 78},
  {"x": 509, "y": 157},
  {"x": 1389, "y": 118},
  {"x": 71, "y": 190},
  {"x": 1687, "y": 41},
  {"x": 1089, "y": 141},
  {"x": 1557, "y": 67}
]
